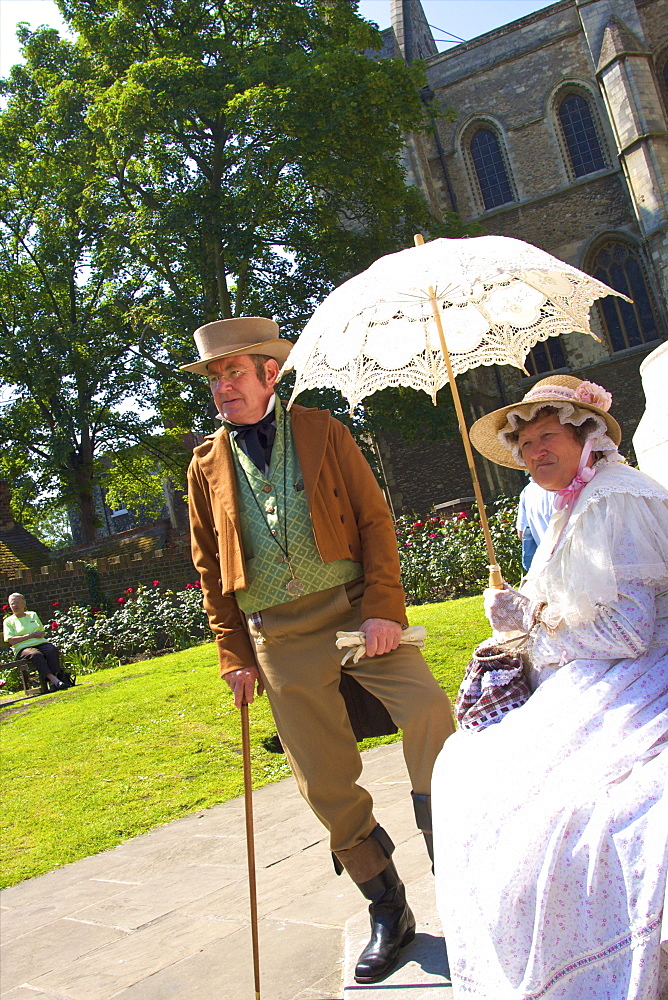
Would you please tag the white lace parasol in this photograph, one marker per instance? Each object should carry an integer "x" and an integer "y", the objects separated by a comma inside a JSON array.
[{"x": 496, "y": 298}]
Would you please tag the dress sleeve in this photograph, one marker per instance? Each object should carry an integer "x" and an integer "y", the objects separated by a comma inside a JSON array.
[{"x": 619, "y": 630}]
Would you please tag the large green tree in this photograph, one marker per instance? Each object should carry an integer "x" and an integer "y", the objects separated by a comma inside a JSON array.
[
  {"x": 257, "y": 155},
  {"x": 183, "y": 161},
  {"x": 67, "y": 291}
]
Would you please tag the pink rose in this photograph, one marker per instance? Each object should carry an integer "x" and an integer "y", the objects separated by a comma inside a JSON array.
[{"x": 594, "y": 395}]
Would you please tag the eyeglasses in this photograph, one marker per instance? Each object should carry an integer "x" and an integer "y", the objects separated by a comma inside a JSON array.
[{"x": 230, "y": 376}]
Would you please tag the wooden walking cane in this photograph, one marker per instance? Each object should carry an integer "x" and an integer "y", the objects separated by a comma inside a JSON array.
[
  {"x": 250, "y": 844},
  {"x": 495, "y": 577}
]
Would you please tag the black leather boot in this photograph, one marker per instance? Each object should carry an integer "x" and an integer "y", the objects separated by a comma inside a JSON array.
[
  {"x": 422, "y": 808},
  {"x": 370, "y": 866},
  {"x": 392, "y": 925}
]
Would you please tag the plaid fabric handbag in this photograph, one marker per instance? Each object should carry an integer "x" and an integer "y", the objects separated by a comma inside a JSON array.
[{"x": 494, "y": 683}]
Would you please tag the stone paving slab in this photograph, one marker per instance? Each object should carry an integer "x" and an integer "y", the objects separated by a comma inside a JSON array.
[{"x": 166, "y": 914}]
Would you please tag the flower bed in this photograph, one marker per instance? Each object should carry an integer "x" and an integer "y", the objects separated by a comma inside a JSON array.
[
  {"x": 145, "y": 621},
  {"x": 441, "y": 557},
  {"x": 445, "y": 557}
]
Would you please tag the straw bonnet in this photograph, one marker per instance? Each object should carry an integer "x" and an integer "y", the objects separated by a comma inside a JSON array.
[
  {"x": 565, "y": 392},
  {"x": 241, "y": 335}
]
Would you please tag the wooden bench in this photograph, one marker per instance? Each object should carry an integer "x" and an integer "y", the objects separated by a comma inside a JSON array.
[{"x": 25, "y": 670}]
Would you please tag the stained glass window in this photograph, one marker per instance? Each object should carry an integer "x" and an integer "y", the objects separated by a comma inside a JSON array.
[
  {"x": 490, "y": 169},
  {"x": 577, "y": 123},
  {"x": 627, "y": 324}
]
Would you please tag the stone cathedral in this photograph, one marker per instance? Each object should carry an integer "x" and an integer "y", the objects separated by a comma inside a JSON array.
[{"x": 552, "y": 129}]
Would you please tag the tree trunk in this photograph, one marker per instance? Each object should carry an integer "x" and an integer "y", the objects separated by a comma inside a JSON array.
[{"x": 81, "y": 486}]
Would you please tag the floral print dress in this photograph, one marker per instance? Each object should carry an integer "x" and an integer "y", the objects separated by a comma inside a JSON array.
[{"x": 551, "y": 827}]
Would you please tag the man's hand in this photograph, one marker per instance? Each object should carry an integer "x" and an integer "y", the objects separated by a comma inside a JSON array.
[
  {"x": 242, "y": 682},
  {"x": 382, "y": 636}
]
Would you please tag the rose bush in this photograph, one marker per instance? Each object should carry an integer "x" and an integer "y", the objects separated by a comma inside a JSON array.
[
  {"x": 443, "y": 557},
  {"x": 145, "y": 621}
]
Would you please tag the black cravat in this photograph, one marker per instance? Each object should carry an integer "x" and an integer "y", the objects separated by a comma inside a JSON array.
[{"x": 257, "y": 439}]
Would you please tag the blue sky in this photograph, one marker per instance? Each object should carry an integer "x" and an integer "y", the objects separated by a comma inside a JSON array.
[{"x": 463, "y": 18}]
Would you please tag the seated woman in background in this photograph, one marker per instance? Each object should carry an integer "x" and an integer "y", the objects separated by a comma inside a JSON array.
[
  {"x": 551, "y": 827},
  {"x": 24, "y": 632}
]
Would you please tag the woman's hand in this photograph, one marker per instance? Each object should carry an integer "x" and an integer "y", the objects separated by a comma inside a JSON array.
[{"x": 508, "y": 610}]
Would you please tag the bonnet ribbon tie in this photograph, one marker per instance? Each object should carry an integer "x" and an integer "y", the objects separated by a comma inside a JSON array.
[{"x": 585, "y": 474}]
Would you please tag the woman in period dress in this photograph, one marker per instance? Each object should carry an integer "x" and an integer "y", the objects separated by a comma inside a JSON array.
[{"x": 551, "y": 827}]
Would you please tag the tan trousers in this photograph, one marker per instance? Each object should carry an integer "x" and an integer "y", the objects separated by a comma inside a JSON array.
[{"x": 301, "y": 669}]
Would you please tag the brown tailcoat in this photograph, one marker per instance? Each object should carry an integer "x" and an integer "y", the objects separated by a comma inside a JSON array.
[{"x": 349, "y": 515}]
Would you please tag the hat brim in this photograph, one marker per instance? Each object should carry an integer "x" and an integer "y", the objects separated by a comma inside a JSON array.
[
  {"x": 278, "y": 349},
  {"x": 484, "y": 433}
]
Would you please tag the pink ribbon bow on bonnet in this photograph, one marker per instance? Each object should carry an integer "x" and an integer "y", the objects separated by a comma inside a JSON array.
[{"x": 594, "y": 395}]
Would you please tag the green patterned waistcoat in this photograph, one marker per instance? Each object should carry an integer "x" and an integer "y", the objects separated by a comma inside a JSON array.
[{"x": 272, "y": 502}]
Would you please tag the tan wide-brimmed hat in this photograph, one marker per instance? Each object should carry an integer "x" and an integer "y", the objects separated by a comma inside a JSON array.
[
  {"x": 556, "y": 390},
  {"x": 241, "y": 335}
]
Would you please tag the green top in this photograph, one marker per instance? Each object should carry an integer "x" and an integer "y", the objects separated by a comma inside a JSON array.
[
  {"x": 268, "y": 503},
  {"x": 27, "y": 623}
]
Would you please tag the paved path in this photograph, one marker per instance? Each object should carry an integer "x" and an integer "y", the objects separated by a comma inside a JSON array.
[{"x": 165, "y": 915}]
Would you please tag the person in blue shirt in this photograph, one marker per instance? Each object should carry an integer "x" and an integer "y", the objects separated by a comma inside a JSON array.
[{"x": 533, "y": 516}]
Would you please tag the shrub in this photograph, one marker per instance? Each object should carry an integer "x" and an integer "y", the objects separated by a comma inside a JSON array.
[
  {"x": 444, "y": 557},
  {"x": 146, "y": 620}
]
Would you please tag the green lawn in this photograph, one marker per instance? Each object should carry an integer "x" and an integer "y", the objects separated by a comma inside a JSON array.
[{"x": 145, "y": 743}]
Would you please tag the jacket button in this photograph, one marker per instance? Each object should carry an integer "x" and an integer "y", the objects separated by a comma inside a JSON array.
[
  {"x": 336, "y": 492},
  {"x": 342, "y": 518},
  {"x": 350, "y": 548},
  {"x": 267, "y": 488}
]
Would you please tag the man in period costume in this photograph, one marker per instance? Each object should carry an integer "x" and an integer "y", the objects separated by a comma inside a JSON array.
[{"x": 293, "y": 541}]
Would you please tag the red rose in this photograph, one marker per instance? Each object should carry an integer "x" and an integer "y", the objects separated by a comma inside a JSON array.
[{"x": 121, "y": 600}]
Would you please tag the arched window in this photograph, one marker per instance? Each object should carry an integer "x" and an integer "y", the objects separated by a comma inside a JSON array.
[
  {"x": 545, "y": 357},
  {"x": 626, "y": 324},
  {"x": 580, "y": 135},
  {"x": 490, "y": 168}
]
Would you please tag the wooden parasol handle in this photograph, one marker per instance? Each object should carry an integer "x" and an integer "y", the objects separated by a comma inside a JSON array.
[
  {"x": 495, "y": 576},
  {"x": 250, "y": 845}
]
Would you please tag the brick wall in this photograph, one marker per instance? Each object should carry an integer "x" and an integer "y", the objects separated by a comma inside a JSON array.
[{"x": 68, "y": 581}]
